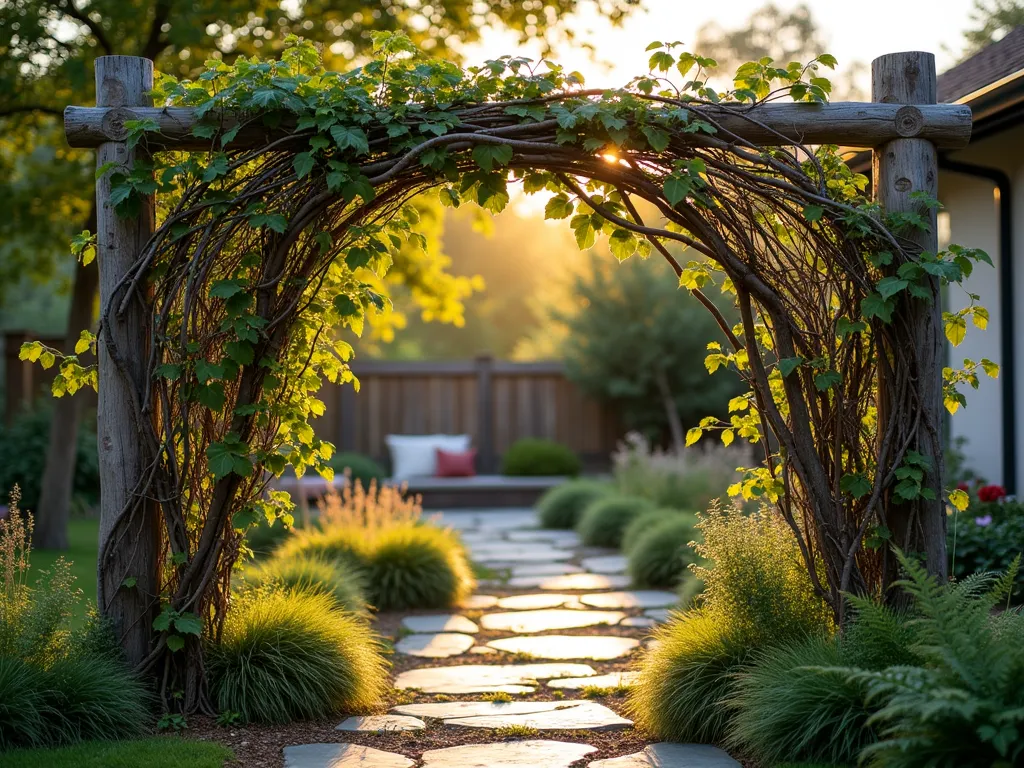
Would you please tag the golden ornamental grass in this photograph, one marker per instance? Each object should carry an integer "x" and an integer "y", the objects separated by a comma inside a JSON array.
[{"x": 373, "y": 509}]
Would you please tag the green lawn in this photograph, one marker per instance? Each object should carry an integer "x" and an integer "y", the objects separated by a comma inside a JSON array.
[
  {"x": 160, "y": 752},
  {"x": 83, "y": 542}
]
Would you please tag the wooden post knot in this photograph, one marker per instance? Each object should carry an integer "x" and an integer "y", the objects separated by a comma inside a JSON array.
[
  {"x": 909, "y": 121},
  {"x": 113, "y": 124}
]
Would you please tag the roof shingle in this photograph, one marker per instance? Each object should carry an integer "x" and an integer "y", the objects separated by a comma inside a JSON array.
[{"x": 999, "y": 60}]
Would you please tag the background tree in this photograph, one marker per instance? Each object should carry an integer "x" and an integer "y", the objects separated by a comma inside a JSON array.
[
  {"x": 992, "y": 20},
  {"x": 639, "y": 341},
  {"x": 782, "y": 35},
  {"x": 47, "y": 49}
]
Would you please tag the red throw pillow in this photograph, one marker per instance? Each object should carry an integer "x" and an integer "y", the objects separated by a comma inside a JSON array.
[{"x": 456, "y": 463}]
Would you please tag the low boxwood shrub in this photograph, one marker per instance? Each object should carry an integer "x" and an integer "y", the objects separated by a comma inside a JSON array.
[
  {"x": 537, "y": 457},
  {"x": 605, "y": 519},
  {"x": 417, "y": 566},
  {"x": 756, "y": 595},
  {"x": 358, "y": 467},
  {"x": 562, "y": 506},
  {"x": 307, "y": 573},
  {"x": 661, "y": 556},
  {"x": 294, "y": 655}
]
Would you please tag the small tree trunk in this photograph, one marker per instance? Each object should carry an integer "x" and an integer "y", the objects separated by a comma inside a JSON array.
[
  {"x": 901, "y": 168},
  {"x": 675, "y": 426},
  {"x": 51, "y": 528}
]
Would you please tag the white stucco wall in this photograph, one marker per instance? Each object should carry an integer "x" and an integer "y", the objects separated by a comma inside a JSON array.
[{"x": 972, "y": 207}]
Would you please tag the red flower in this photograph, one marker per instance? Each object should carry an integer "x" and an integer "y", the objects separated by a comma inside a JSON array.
[
  {"x": 991, "y": 493},
  {"x": 961, "y": 486}
]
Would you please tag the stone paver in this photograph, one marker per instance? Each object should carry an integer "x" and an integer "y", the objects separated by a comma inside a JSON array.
[
  {"x": 595, "y": 647},
  {"x": 435, "y": 646},
  {"x": 529, "y": 622},
  {"x": 342, "y": 756},
  {"x": 512, "y": 553},
  {"x": 536, "y": 602},
  {"x": 382, "y": 724},
  {"x": 658, "y": 614},
  {"x": 440, "y": 623},
  {"x": 613, "y": 680},
  {"x": 542, "y": 715},
  {"x": 671, "y": 756},
  {"x": 533, "y": 753},
  {"x": 560, "y": 539},
  {"x": 642, "y": 598},
  {"x": 640, "y": 622},
  {"x": 478, "y": 602},
  {"x": 486, "y": 678},
  {"x": 544, "y": 569},
  {"x": 482, "y": 650},
  {"x": 605, "y": 564},
  {"x": 583, "y": 581}
]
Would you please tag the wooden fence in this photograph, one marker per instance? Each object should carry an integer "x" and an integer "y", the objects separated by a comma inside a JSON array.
[{"x": 495, "y": 401}]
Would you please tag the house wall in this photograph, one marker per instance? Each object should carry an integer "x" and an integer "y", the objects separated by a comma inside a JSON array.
[{"x": 972, "y": 207}]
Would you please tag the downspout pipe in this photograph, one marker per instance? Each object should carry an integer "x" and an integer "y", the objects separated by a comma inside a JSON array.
[{"x": 1007, "y": 372}]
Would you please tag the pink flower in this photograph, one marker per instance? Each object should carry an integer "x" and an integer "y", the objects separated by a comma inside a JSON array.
[{"x": 983, "y": 521}]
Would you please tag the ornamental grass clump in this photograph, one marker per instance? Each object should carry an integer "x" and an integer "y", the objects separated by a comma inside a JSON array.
[
  {"x": 661, "y": 556},
  {"x": 308, "y": 573},
  {"x": 643, "y": 523},
  {"x": 690, "y": 478},
  {"x": 417, "y": 566},
  {"x": 562, "y": 507},
  {"x": 378, "y": 536},
  {"x": 605, "y": 519},
  {"x": 294, "y": 655},
  {"x": 57, "y": 685},
  {"x": 756, "y": 595}
]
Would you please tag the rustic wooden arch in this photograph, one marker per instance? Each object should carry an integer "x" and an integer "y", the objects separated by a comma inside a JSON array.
[{"x": 903, "y": 127}]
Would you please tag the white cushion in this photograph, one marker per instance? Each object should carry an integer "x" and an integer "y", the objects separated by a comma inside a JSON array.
[{"x": 416, "y": 455}]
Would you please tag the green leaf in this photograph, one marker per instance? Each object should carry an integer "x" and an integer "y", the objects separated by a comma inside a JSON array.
[
  {"x": 487, "y": 156},
  {"x": 169, "y": 371},
  {"x": 991, "y": 369},
  {"x": 303, "y": 164},
  {"x": 656, "y": 137},
  {"x": 677, "y": 188},
  {"x": 188, "y": 624},
  {"x": 163, "y": 622},
  {"x": 175, "y": 643},
  {"x": 827, "y": 380},
  {"x": 241, "y": 352},
  {"x": 622, "y": 244},
  {"x": 212, "y": 396},
  {"x": 558, "y": 207},
  {"x": 789, "y": 364},
  {"x": 845, "y": 327},
  {"x": 129, "y": 582},
  {"x": 890, "y": 286},
  {"x": 583, "y": 227},
  {"x": 857, "y": 485},
  {"x": 347, "y": 137},
  {"x": 345, "y": 306},
  {"x": 225, "y": 289},
  {"x": 357, "y": 257},
  {"x": 873, "y": 305},
  {"x": 813, "y": 212}
]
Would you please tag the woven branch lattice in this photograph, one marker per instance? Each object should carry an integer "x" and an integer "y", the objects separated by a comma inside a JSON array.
[{"x": 257, "y": 262}]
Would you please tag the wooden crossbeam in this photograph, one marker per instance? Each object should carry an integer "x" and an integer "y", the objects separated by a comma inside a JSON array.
[{"x": 850, "y": 124}]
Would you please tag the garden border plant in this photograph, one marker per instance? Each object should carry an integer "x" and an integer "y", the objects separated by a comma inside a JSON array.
[{"x": 284, "y": 195}]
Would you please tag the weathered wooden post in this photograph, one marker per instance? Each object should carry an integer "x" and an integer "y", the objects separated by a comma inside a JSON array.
[
  {"x": 900, "y": 168},
  {"x": 123, "y": 82}
]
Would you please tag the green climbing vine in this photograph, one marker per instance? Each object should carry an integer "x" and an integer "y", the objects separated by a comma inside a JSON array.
[{"x": 271, "y": 252}]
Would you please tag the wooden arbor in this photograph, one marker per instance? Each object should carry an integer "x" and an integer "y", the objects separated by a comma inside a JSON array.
[{"x": 903, "y": 126}]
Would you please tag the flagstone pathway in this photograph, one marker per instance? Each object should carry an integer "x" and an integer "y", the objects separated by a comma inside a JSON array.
[{"x": 546, "y": 648}]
